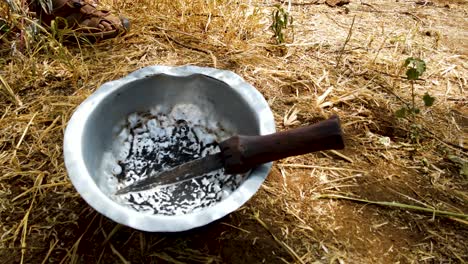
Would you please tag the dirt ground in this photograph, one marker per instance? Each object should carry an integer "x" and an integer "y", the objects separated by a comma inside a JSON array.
[{"x": 343, "y": 60}]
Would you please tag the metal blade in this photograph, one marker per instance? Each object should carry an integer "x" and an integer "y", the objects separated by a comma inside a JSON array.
[{"x": 183, "y": 172}]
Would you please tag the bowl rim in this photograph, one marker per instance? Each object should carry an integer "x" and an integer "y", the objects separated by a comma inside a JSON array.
[{"x": 92, "y": 194}]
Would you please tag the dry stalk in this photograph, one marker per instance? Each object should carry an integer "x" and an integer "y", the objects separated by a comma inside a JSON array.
[
  {"x": 293, "y": 254},
  {"x": 434, "y": 212},
  {"x": 9, "y": 92},
  {"x": 51, "y": 249},
  {"x": 348, "y": 37}
]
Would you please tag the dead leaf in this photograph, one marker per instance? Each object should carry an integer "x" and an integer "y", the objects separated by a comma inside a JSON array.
[
  {"x": 321, "y": 98},
  {"x": 290, "y": 118}
]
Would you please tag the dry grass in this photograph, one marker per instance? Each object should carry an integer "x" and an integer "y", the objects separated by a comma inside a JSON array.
[{"x": 343, "y": 60}]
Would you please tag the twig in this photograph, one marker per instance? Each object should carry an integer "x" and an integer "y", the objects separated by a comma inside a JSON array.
[
  {"x": 394, "y": 94},
  {"x": 75, "y": 245},
  {"x": 464, "y": 151},
  {"x": 22, "y": 136},
  {"x": 114, "y": 230},
  {"x": 186, "y": 46},
  {"x": 10, "y": 92},
  {"x": 124, "y": 261},
  {"x": 346, "y": 42},
  {"x": 281, "y": 243},
  {"x": 313, "y": 2},
  {"x": 24, "y": 222},
  {"x": 107, "y": 238},
  {"x": 341, "y": 155},
  {"x": 238, "y": 228},
  {"x": 72, "y": 252},
  {"x": 303, "y": 166},
  {"x": 180, "y": 43},
  {"x": 459, "y": 220},
  {"x": 50, "y": 251},
  {"x": 399, "y": 205},
  {"x": 380, "y": 49},
  {"x": 47, "y": 130},
  {"x": 369, "y": 5},
  {"x": 164, "y": 256},
  {"x": 415, "y": 17},
  {"x": 43, "y": 186},
  {"x": 343, "y": 179}
]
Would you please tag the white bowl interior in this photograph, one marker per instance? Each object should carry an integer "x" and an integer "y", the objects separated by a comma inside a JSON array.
[{"x": 211, "y": 95}]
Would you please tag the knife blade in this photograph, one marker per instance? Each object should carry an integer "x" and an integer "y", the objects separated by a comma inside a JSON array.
[
  {"x": 180, "y": 173},
  {"x": 241, "y": 153}
]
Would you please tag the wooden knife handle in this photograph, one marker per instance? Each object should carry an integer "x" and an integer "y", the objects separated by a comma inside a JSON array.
[{"x": 242, "y": 153}]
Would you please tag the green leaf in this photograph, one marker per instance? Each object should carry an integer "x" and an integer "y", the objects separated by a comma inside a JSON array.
[
  {"x": 408, "y": 61},
  {"x": 415, "y": 110},
  {"x": 420, "y": 66},
  {"x": 401, "y": 113},
  {"x": 280, "y": 21},
  {"x": 428, "y": 100},
  {"x": 416, "y": 67},
  {"x": 412, "y": 74}
]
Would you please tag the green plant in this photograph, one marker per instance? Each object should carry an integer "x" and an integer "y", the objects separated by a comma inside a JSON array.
[
  {"x": 281, "y": 20},
  {"x": 415, "y": 67}
]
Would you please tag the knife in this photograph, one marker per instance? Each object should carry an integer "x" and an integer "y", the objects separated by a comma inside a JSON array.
[{"x": 241, "y": 153}]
